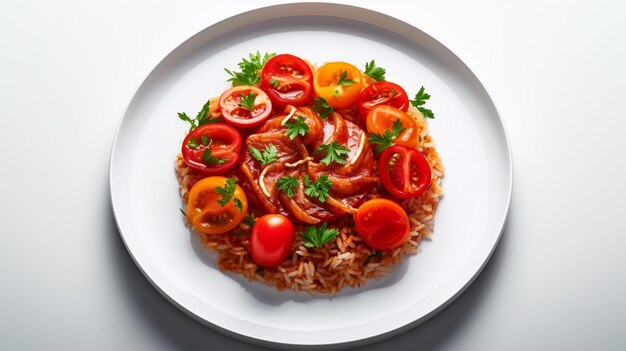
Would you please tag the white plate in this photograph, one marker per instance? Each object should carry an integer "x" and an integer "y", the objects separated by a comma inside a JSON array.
[{"x": 470, "y": 137}]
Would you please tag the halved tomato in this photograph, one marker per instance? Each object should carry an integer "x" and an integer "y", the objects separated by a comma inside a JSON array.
[
  {"x": 403, "y": 171},
  {"x": 382, "y": 93},
  {"x": 382, "y": 118},
  {"x": 240, "y": 114},
  {"x": 382, "y": 224},
  {"x": 339, "y": 83},
  {"x": 204, "y": 210},
  {"x": 288, "y": 80},
  {"x": 212, "y": 148}
]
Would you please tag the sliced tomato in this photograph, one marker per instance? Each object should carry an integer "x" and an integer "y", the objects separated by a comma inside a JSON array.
[
  {"x": 241, "y": 116},
  {"x": 212, "y": 149},
  {"x": 403, "y": 171},
  {"x": 382, "y": 93},
  {"x": 382, "y": 224},
  {"x": 270, "y": 240},
  {"x": 339, "y": 83},
  {"x": 288, "y": 80},
  {"x": 207, "y": 215},
  {"x": 382, "y": 118}
]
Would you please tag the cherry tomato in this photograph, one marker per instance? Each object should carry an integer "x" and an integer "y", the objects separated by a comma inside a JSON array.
[
  {"x": 382, "y": 118},
  {"x": 383, "y": 93},
  {"x": 206, "y": 214},
  {"x": 241, "y": 116},
  {"x": 271, "y": 239},
  {"x": 339, "y": 83},
  {"x": 287, "y": 80},
  {"x": 212, "y": 148},
  {"x": 404, "y": 171},
  {"x": 382, "y": 224}
]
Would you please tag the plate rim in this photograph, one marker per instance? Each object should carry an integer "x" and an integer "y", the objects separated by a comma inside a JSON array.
[{"x": 310, "y": 9}]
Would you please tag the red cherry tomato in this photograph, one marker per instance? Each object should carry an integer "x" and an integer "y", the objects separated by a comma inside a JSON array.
[
  {"x": 270, "y": 240},
  {"x": 288, "y": 80},
  {"x": 404, "y": 171},
  {"x": 212, "y": 149},
  {"x": 382, "y": 224},
  {"x": 383, "y": 93},
  {"x": 237, "y": 113}
]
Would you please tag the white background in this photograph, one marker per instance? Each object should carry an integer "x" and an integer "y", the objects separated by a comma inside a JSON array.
[{"x": 555, "y": 70}]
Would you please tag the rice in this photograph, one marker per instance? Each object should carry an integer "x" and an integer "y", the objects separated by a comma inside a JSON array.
[{"x": 346, "y": 261}]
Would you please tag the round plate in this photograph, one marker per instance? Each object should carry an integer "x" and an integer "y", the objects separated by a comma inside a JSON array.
[{"x": 470, "y": 138}]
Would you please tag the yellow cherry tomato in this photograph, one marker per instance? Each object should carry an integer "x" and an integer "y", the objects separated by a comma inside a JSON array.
[
  {"x": 339, "y": 83},
  {"x": 383, "y": 117},
  {"x": 210, "y": 210}
]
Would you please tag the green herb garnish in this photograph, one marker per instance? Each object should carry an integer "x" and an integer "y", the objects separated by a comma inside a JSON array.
[
  {"x": 249, "y": 74},
  {"x": 288, "y": 185},
  {"x": 269, "y": 155},
  {"x": 209, "y": 159},
  {"x": 204, "y": 140},
  {"x": 322, "y": 107},
  {"x": 247, "y": 101},
  {"x": 227, "y": 191},
  {"x": 420, "y": 100},
  {"x": 376, "y": 73},
  {"x": 192, "y": 143},
  {"x": 334, "y": 153},
  {"x": 343, "y": 81},
  {"x": 318, "y": 189},
  {"x": 318, "y": 236},
  {"x": 297, "y": 127},
  {"x": 386, "y": 139},
  {"x": 203, "y": 117},
  {"x": 274, "y": 83}
]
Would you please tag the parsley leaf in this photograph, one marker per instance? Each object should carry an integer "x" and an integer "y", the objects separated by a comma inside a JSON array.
[
  {"x": 322, "y": 107},
  {"x": 192, "y": 143},
  {"x": 376, "y": 73},
  {"x": 203, "y": 117},
  {"x": 420, "y": 100},
  {"x": 269, "y": 155},
  {"x": 208, "y": 158},
  {"x": 247, "y": 101},
  {"x": 318, "y": 236},
  {"x": 386, "y": 139},
  {"x": 249, "y": 74},
  {"x": 274, "y": 83},
  {"x": 334, "y": 152},
  {"x": 343, "y": 81},
  {"x": 297, "y": 127},
  {"x": 319, "y": 188},
  {"x": 205, "y": 140},
  {"x": 249, "y": 220},
  {"x": 238, "y": 204},
  {"x": 383, "y": 141},
  {"x": 227, "y": 191},
  {"x": 288, "y": 184}
]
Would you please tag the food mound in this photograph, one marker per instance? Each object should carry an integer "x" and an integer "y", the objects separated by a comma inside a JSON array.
[{"x": 310, "y": 178}]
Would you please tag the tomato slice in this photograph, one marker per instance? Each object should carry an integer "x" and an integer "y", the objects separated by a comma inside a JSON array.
[
  {"x": 288, "y": 80},
  {"x": 382, "y": 224},
  {"x": 383, "y": 93},
  {"x": 212, "y": 149},
  {"x": 403, "y": 171},
  {"x": 339, "y": 83},
  {"x": 382, "y": 118},
  {"x": 270, "y": 240},
  {"x": 241, "y": 116},
  {"x": 205, "y": 212}
]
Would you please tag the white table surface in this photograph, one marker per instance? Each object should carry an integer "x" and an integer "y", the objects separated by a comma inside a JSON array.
[{"x": 556, "y": 71}]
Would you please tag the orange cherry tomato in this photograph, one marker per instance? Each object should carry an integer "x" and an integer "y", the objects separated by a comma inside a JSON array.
[
  {"x": 382, "y": 118},
  {"x": 339, "y": 83},
  {"x": 205, "y": 212},
  {"x": 382, "y": 224}
]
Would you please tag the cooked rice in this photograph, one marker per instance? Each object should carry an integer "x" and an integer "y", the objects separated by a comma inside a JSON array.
[{"x": 347, "y": 261}]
